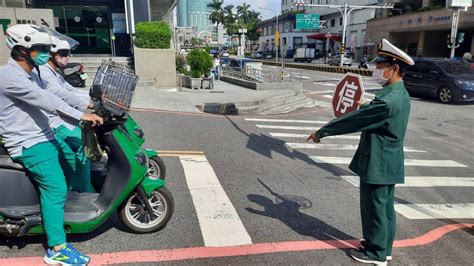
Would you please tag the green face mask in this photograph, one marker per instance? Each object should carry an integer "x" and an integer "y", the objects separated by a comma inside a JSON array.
[{"x": 41, "y": 59}]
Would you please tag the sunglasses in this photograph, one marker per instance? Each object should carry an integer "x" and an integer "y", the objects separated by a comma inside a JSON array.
[
  {"x": 64, "y": 53},
  {"x": 42, "y": 48}
]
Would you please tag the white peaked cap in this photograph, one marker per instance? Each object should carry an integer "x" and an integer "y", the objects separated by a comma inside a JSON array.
[{"x": 390, "y": 53}]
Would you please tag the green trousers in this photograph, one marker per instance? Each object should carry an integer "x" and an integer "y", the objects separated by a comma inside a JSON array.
[
  {"x": 378, "y": 219},
  {"x": 76, "y": 165},
  {"x": 42, "y": 162}
]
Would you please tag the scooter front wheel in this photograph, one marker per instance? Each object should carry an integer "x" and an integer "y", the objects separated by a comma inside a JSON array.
[
  {"x": 156, "y": 168},
  {"x": 136, "y": 217}
]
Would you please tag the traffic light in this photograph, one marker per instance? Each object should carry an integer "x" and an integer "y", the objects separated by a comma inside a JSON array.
[{"x": 460, "y": 37}]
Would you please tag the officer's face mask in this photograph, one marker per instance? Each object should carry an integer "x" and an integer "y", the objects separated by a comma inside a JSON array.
[{"x": 379, "y": 77}]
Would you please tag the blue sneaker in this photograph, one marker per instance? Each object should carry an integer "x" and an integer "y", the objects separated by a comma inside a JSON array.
[{"x": 68, "y": 256}]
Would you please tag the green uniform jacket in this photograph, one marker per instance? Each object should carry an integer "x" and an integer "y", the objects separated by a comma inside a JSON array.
[{"x": 379, "y": 159}]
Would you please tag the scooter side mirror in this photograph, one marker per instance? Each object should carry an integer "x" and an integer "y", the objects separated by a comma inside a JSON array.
[{"x": 95, "y": 92}]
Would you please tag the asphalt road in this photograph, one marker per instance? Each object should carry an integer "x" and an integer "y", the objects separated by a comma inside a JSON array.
[{"x": 295, "y": 210}]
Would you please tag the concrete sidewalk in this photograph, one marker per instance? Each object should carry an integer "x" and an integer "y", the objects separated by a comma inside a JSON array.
[{"x": 186, "y": 100}]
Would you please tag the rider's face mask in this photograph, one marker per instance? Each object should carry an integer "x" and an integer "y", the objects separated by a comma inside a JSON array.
[
  {"x": 42, "y": 55},
  {"x": 62, "y": 58}
]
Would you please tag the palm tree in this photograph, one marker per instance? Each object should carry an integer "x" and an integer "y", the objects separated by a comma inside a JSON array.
[
  {"x": 244, "y": 12},
  {"x": 217, "y": 13},
  {"x": 229, "y": 19},
  {"x": 254, "y": 17}
]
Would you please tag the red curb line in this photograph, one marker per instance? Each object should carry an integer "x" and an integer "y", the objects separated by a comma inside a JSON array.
[{"x": 252, "y": 249}]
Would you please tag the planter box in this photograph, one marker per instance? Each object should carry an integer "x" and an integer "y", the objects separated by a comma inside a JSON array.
[
  {"x": 196, "y": 83},
  {"x": 156, "y": 64}
]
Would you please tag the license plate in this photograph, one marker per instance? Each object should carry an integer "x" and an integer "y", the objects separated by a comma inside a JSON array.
[{"x": 84, "y": 76}]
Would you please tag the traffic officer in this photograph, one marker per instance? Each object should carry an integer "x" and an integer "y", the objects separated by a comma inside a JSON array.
[
  {"x": 29, "y": 138},
  {"x": 68, "y": 133},
  {"x": 379, "y": 160}
]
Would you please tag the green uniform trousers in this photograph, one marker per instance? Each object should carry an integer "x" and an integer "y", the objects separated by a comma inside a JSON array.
[
  {"x": 378, "y": 219},
  {"x": 42, "y": 162},
  {"x": 76, "y": 166}
]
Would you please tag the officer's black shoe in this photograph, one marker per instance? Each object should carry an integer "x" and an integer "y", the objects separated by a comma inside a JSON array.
[
  {"x": 362, "y": 247},
  {"x": 360, "y": 256}
]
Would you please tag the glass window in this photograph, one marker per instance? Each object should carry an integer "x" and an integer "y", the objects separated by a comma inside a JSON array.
[
  {"x": 456, "y": 67},
  {"x": 428, "y": 67},
  {"x": 333, "y": 22},
  {"x": 340, "y": 21}
]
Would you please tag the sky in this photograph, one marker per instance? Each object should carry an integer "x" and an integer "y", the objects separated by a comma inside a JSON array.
[{"x": 255, "y": 4}]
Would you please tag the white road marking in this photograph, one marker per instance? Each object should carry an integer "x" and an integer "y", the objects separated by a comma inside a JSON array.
[
  {"x": 318, "y": 92},
  {"x": 326, "y": 84},
  {"x": 220, "y": 224},
  {"x": 328, "y": 96},
  {"x": 288, "y": 127},
  {"x": 425, "y": 181},
  {"x": 289, "y": 135},
  {"x": 436, "y": 211},
  {"x": 334, "y": 147},
  {"x": 408, "y": 162},
  {"x": 286, "y": 121}
]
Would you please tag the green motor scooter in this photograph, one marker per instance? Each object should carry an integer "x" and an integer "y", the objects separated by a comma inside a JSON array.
[{"x": 143, "y": 203}]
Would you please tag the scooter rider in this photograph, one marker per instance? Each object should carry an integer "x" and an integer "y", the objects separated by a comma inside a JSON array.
[
  {"x": 68, "y": 133},
  {"x": 29, "y": 138}
]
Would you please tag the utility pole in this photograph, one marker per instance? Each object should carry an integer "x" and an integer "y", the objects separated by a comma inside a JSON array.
[
  {"x": 454, "y": 31},
  {"x": 345, "y": 11}
]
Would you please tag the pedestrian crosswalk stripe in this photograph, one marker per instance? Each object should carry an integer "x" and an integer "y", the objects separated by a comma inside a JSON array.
[
  {"x": 328, "y": 96},
  {"x": 408, "y": 162},
  {"x": 220, "y": 224},
  {"x": 288, "y": 127},
  {"x": 436, "y": 211},
  {"x": 334, "y": 147},
  {"x": 290, "y": 135},
  {"x": 318, "y": 92},
  {"x": 425, "y": 181},
  {"x": 286, "y": 121}
]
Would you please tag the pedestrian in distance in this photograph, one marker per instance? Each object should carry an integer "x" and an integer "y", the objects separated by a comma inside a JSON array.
[
  {"x": 379, "y": 160},
  {"x": 217, "y": 68}
]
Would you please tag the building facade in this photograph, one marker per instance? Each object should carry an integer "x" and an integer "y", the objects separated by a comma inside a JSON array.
[
  {"x": 195, "y": 13},
  {"x": 292, "y": 38},
  {"x": 100, "y": 26},
  {"x": 421, "y": 28}
]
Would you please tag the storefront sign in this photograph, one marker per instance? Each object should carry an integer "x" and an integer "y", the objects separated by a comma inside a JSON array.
[{"x": 4, "y": 22}]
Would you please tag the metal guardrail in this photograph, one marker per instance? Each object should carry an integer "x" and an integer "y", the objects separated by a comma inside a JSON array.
[
  {"x": 324, "y": 68},
  {"x": 262, "y": 76}
]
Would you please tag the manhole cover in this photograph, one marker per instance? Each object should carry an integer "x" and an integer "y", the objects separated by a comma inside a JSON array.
[{"x": 302, "y": 203}]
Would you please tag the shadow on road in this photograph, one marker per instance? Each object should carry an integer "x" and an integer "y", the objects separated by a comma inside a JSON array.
[
  {"x": 266, "y": 145},
  {"x": 288, "y": 212}
]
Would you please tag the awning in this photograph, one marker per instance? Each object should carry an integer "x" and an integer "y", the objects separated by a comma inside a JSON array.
[{"x": 324, "y": 36}]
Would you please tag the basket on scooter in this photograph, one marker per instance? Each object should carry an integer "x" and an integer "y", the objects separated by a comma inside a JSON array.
[{"x": 118, "y": 84}]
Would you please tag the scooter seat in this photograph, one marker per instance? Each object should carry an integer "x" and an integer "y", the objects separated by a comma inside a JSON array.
[
  {"x": 19, "y": 212},
  {"x": 6, "y": 162}
]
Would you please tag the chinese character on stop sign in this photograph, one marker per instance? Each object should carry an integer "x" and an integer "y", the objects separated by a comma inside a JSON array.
[{"x": 348, "y": 92}]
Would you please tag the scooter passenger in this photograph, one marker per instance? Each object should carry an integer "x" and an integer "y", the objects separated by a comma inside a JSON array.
[
  {"x": 30, "y": 140},
  {"x": 68, "y": 133}
]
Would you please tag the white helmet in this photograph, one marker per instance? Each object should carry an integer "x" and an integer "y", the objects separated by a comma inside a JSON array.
[
  {"x": 27, "y": 36},
  {"x": 59, "y": 44}
]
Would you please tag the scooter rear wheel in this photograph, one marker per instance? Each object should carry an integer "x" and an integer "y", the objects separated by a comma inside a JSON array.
[{"x": 134, "y": 215}]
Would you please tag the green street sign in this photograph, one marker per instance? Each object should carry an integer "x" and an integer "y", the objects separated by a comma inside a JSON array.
[{"x": 307, "y": 21}]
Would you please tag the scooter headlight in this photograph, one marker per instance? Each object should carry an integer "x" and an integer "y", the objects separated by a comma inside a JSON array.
[{"x": 142, "y": 159}]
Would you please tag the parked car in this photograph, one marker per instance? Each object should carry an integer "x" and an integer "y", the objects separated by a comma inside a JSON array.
[
  {"x": 225, "y": 61},
  {"x": 336, "y": 59},
  {"x": 447, "y": 80},
  {"x": 257, "y": 55},
  {"x": 238, "y": 62}
]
